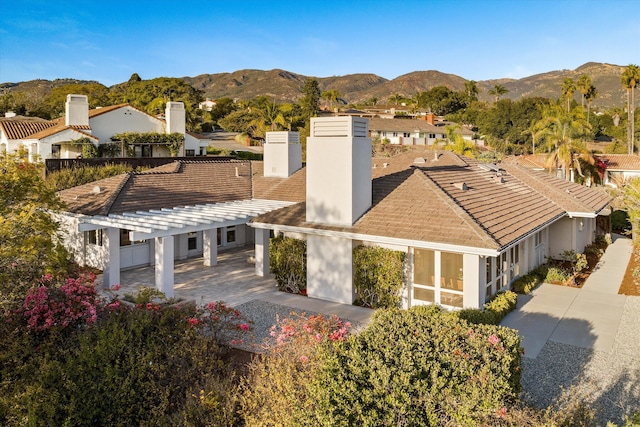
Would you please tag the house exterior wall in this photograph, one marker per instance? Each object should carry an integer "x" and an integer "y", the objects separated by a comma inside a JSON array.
[
  {"x": 330, "y": 269},
  {"x": 125, "y": 119},
  {"x": 571, "y": 234}
]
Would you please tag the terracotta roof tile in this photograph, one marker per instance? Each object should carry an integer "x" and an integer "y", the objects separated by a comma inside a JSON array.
[
  {"x": 621, "y": 162},
  {"x": 20, "y": 127}
]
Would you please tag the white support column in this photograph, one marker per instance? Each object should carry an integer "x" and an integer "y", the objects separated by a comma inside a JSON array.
[
  {"x": 330, "y": 269},
  {"x": 210, "y": 247},
  {"x": 474, "y": 281},
  {"x": 262, "y": 252},
  {"x": 164, "y": 265},
  {"x": 111, "y": 272},
  {"x": 181, "y": 246}
]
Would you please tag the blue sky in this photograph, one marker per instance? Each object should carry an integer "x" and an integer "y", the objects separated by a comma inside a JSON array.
[{"x": 109, "y": 40}]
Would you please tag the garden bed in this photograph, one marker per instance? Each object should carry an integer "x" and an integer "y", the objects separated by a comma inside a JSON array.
[{"x": 631, "y": 281}]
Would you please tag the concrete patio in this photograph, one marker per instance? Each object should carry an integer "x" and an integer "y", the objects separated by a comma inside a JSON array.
[{"x": 233, "y": 280}]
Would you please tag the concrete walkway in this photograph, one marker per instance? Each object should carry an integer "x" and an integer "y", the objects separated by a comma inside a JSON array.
[{"x": 587, "y": 317}]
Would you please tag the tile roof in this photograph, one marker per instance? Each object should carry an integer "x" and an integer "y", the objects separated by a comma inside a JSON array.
[
  {"x": 292, "y": 189},
  {"x": 621, "y": 162},
  {"x": 20, "y": 127},
  {"x": 427, "y": 201},
  {"x": 61, "y": 128},
  {"x": 181, "y": 183}
]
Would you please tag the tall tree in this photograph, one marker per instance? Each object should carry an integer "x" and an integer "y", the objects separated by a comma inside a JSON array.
[
  {"x": 592, "y": 93},
  {"x": 331, "y": 96},
  {"x": 583, "y": 84},
  {"x": 471, "y": 90},
  {"x": 310, "y": 99},
  {"x": 630, "y": 78},
  {"x": 568, "y": 89},
  {"x": 498, "y": 91},
  {"x": 396, "y": 99},
  {"x": 561, "y": 131}
]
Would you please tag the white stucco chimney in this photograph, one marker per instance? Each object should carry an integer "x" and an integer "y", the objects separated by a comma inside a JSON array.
[
  {"x": 282, "y": 154},
  {"x": 338, "y": 170},
  {"x": 77, "y": 110},
  {"x": 175, "y": 116}
]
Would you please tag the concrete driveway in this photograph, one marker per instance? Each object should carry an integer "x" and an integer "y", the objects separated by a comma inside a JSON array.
[{"x": 588, "y": 317}]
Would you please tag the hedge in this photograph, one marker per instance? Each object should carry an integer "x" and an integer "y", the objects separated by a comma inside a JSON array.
[
  {"x": 378, "y": 276},
  {"x": 493, "y": 311},
  {"x": 288, "y": 263},
  {"x": 418, "y": 367}
]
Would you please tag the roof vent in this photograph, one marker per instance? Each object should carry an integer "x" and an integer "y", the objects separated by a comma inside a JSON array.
[
  {"x": 419, "y": 160},
  {"x": 384, "y": 165},
  {"x": 499, "y": 179},
  {"x": 436, "y": 156},
  {"x": 97, "y": 189},
  {"x": 461, "y": 185}
]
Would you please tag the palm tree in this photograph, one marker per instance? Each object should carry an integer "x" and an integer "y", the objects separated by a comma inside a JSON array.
[
  {"x": 568, "y": 89},
  {"x": 592, "y": 93},
  {"x": 561, "y": 132},
  {"x": 583, "y": 84},
  {"x": 396, "y": 99},
  {"x": 630, "y": 78},
  {"x": 471, "y": 90},
  {"x": 498, "y": 91},
  {"x": 331, "y": 96}
]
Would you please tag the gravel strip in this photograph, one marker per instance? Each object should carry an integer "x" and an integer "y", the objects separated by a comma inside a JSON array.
[{"x": 609, "y": 382}]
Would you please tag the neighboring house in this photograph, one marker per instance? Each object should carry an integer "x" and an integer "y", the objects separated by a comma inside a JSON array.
[
  {"x": 178, "y": 210},
  {"x": 620, "y": 168},
  {"x": 55, "y": 138},
  {"x": 468, "y": 229},
  {"x": 411, "y": 131}
]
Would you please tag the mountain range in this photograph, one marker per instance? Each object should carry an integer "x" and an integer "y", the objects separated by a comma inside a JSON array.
[{"x": 282, "y": 85}]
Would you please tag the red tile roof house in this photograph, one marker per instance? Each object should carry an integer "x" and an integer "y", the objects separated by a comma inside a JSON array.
[
  {"x": 468, "y": 228},
  {"x": 620, "y": 168},
  {"x": 46, "y": 139}
]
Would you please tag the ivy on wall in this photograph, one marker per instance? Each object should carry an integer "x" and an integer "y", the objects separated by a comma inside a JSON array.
[{"x": 173, "y": 141}]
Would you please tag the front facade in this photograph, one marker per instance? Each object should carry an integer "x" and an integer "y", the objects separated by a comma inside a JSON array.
[
  {"x": 46, "y": 139},
  {"x": 468, "y": 229},
  {"x": 411, "y": 131}
]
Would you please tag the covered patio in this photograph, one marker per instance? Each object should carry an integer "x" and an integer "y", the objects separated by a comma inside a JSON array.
[{"x": 233, "y": 280}]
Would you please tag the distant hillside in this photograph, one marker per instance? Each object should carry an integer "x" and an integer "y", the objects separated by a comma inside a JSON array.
[{"x": 355, "y": 88}]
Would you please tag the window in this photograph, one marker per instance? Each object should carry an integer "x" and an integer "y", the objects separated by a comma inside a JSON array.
[
  {"x": 424, "y": 270},
  {"x": 489, "y": 274},
  {"x": 538, "y": 238},
  {"x": 125, "y": 241},
  {"x": 147, "y": 151},
  {"x": 231, "y": 234},
  {"x": 219, "y": 236},
  {"x": 55, "y": 151},
  {"x": 451, "y": 279},
  {"x": 406, "y": 134},
  {"x": 190, "y": 153},
  {"x": 395, "y": 134},
  {"x": 192, "y": 242},
  {"x": 447, "y": 289},
  {"x": 93, "y": 237},
  {"x": 432, "y": 135}
]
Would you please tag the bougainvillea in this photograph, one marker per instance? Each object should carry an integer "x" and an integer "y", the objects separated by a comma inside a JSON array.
[{"x": 53, "y": 304}]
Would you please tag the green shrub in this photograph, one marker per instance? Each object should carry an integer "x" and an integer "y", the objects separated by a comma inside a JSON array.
[
  {"x": 288, "y": 263},
  {"x": 378, "y": 276},
  {"x": 525, "y": 284},
  {"x": 493, "y": 311},
  {"x": 557, "y": 275},
  {"x": 133, "y": 367},
  {"x": 620, "y": 221},
  {"x": 68, "y": 178},
  {"x": 418, "y": 367}
]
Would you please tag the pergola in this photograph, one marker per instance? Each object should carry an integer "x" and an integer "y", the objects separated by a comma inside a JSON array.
[{"x": 163, "y": 224}]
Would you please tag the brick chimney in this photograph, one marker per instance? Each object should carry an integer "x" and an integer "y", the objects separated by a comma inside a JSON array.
[
  {"x": 282, "y": 154},
  {"x": 430, "y": 118},
  {"x": 77, "y": 110}
]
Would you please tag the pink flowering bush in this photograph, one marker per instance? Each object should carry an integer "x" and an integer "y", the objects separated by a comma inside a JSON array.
[
  {"x": 54, "y": 304},
  {"x": 275, "y": 391},
  {"x": 224, "y": 323}
]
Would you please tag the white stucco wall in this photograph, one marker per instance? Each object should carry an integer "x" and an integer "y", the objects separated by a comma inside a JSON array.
[
  {"x": 330, "y": 269},
  {"x": 125, "y": 119}
]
